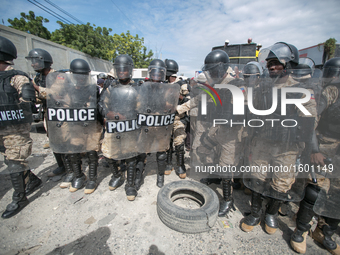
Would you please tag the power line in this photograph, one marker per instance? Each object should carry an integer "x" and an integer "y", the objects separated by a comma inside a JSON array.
[
  {"x": 54, "y": 12},
  {"x": 65, "y": 12},
  {"x": 59, "y": 18}
]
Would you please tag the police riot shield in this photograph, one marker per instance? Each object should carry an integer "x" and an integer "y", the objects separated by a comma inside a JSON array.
[
  {"x": 328, "y": 202},
  {"x": 156, "y": 115},
  {"x": 217, "y": 128},
  {"x": 72, "y": 113},
  {"x": 280, "y": 127},
  {"x": 119, "y": 106}
]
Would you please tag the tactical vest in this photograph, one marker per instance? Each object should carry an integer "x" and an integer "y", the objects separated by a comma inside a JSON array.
[
  {"x": 329, "y": 124},
  {"x": 8, "y": 94},
  {"x": 40, "y": 80},
  {"x": 12, "y": 112}
]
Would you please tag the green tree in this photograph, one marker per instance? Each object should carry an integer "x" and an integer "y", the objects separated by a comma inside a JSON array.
[
  {"x": 329, "y": 48},
  {"x": 97, "y": 42},
  {"x": 132, "y": 46},
  {"x": 91, "y": 40},
  {"x": 31, "y": 24}
]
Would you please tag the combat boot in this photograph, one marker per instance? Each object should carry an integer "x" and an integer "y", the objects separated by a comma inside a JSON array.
[
  {"x": 161, "y": 164},
  {"x": 139, "y": 180},
  {"x": 272, "y": 212},
  {"x": 130, "y": 189},
  {"x": 323, "y": 235},
  {"x": 228, "y": 202},
  {"x": 19, "y": 199},
  {"x": 180, "y": 170},
  {"x": 33, "y": 183},
  {"x": 80, "y": 178},
  {"x": 93, "y": 166},
  {"x": 169, "y": 167},
  {"x": 60, "y": 170},
  {"x": 117, "y": 178},
  {"x": 304, "y": 216},
  {"x": 68, "y": 178},
  {"x": 254, "y": 218}
]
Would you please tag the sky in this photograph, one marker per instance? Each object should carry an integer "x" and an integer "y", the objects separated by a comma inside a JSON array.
[{"x": 186, "y": 30}]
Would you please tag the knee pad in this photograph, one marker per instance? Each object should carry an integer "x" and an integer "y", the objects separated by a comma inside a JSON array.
[
  {"x": 131, "y": 162},
  {"x": 93, "y": 156},
  {"x": 311, "y": 194},
  {"x": 161, "y": 156}
]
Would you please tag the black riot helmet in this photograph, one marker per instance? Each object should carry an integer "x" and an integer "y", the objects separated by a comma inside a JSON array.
[
  {"x": 215, "y": 67},
  {"x": 123, "y": 67},
  {"x": 102, "y": 76},
  {"x": 80, "y": 66},
  {"x": 252, "y": 68},
  {"x": 8, "y": 51},
  {"x": 304, "y": 70},
  {"x": 171, "y": 67},
  {"x": 40, "y": 59},
  {"x": 157, "y": 70},
  {"x": 331, "y": 71},
  {"x": 287, "y": 54},
  {"x": 252, "y": 72}
]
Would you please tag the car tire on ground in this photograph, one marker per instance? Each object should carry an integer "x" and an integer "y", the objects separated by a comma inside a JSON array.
[{"x": 187, "y": 220}]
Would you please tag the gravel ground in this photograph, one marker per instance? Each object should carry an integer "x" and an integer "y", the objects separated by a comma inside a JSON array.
[{"x": 105, "y": 222}]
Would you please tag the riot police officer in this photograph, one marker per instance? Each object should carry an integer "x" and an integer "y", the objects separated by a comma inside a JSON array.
[
  {"x": 160, "y": 102},
  {"x": 16, "y": 93},
  {"x": 119, "y": 103},
  {"x": 75, "y": 129},
  {"x": 276, "y": 146},
  {"x": 225, "y": 141},
  {"x": 41, "y": 62},
  {"x": 322, "y": 198},
  {"x": 80, "y": 66},
  {"x": 181, "y": 121}
]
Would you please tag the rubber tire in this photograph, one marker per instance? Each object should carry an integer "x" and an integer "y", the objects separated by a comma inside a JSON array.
[{"x": 187, "y": 220}]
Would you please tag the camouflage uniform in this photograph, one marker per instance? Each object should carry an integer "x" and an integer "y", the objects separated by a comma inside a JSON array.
[
  {"x": 179, "y": 127},
  {"x": 328, "y": 145},
  {"x": 265, "y": 152},
  {"x": 16, "y": 146},
  {"x": 19, "y": 145}
]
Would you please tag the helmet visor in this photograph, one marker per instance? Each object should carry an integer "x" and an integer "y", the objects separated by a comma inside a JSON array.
[
  {"x": 37, "y": 63},
  {"x": 278, "y": 51},
  {"x": 157, "y": 73},
  {"x": 331, "y": 75},
  {"x": 215, "y": 72},
  {"x": 123, "y": 72}
]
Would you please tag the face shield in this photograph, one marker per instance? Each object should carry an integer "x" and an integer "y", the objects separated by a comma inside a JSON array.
[
  {"x": 215, "y": 73},
  {"x": 123, "y": 72},
  {"x": 81, "y": 80},
  {"x": 304, "y": 69},
  {"x": 36, "y": 62},
  {"x": 157, "y": 73},
  {"x": 251, "y": 73},
  {"x": 331, "y": 75},
  {"x": 274, "y": 59},
  {"x": 279, "y": 51}
]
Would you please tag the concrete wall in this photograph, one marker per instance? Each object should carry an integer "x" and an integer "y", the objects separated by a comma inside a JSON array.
[{"x": 62, "y": 56}]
